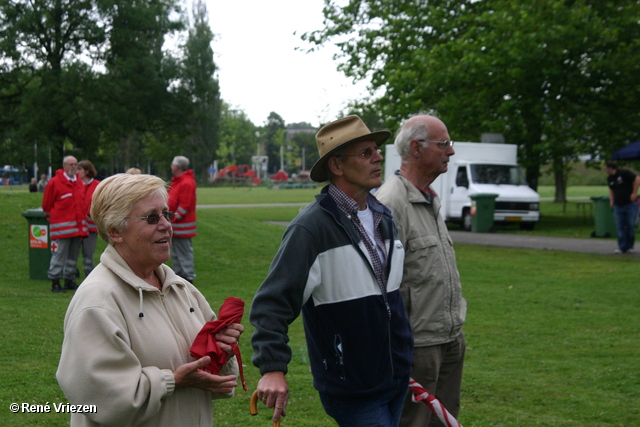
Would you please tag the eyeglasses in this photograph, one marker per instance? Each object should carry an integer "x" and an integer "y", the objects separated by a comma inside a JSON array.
[
  {"x": 366, "y": 154},
  {"x": 154, "y": 218},
  {"x": 440, "y": 144}
]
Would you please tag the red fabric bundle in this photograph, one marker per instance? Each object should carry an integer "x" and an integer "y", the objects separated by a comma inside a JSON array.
[{"x": 205, "y": 343}]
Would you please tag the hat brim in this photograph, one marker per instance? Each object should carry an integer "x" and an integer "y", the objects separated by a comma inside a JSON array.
[{"x": 318, "y": 173}]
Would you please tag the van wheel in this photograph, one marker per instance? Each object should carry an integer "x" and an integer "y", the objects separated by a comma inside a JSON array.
[{"x": 466, "y": 220}]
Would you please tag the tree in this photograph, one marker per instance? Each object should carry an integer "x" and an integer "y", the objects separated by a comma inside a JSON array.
[
  {"x": 139, "y": 77},
  {"x": 554, "y": 76},
  {"x": 238, "y": 138},
  {"x": 302, "y": 150},
  {"x": 274, "y": 138},
  {"x": 201, "y": 84},
  {"x": 42, "y": 43},
  {"x": 90, "y": 77}
]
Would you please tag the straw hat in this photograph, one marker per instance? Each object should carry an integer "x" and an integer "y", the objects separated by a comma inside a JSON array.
[{"x": 336, "y": 134}]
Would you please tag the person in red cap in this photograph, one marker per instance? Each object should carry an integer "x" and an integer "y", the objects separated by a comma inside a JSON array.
[{"x": 340, "y": 264}]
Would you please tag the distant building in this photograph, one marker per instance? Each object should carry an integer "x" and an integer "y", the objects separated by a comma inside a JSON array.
[{"x": 291, "y": 132}]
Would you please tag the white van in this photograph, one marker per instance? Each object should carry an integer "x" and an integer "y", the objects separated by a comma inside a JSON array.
[{"x": 479, "y": 167}]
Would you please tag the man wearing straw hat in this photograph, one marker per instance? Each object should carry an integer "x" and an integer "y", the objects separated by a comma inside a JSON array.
[{"x": 340, "y": 264}]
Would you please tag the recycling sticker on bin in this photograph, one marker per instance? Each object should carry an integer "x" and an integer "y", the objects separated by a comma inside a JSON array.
[{"x": 38, "y": 236}]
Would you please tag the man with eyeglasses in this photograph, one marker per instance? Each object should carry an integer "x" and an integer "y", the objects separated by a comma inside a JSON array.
[
  {"x": 182, "y": 202},
  {"x": 63, "y": 204},
  {"x": 431, "y": 283},
  {"x": 340, "y": 264}
]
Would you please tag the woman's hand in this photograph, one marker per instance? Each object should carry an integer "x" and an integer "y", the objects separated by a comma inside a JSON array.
[
  {"x": 229, "y": 336},
  {"x": 190, "y": 375}
]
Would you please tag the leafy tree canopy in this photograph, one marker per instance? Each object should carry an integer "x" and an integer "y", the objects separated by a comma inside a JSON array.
[
  {"x": 555, "y": 77},
  {"x": 93, "y": 78}
]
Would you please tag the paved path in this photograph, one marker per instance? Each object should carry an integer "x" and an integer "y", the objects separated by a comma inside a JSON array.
[
  {"x": 251, "y": 205},
  {"x": 592, "y": 245}
]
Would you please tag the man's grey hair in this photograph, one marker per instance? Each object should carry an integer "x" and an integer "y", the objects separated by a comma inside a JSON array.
[
  {"x": 181, "y": 162},
  {"x": 410, "y": 131},
  {"x": 66, "y": 159}
]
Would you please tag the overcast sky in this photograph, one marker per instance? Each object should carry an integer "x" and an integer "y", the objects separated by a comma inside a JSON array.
[{"x": 260, "y": 69}]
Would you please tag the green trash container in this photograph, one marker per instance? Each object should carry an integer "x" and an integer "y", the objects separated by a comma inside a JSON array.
[
  {"x": 605, "y": 223},
  {"x": 39, "y": 244},
  {"x": 483, "y": 206}
]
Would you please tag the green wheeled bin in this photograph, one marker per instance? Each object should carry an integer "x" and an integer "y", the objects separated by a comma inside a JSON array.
[
  {"x": 483, "y": 206},
  {"x": 39, "y": 244},
  {"x": 605, "y": 223}
]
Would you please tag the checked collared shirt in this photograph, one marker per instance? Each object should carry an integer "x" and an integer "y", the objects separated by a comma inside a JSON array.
[{"x": 350, "y": 208}]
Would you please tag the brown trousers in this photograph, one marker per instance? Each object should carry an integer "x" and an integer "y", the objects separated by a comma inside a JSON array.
[{"x": 438, "y": 368}]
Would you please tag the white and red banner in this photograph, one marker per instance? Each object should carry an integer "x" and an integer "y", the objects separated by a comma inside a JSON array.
[{"x": 420, "y": 394}]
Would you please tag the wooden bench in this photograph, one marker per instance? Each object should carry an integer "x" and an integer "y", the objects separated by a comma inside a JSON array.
[{"x": 581, "y": 208}]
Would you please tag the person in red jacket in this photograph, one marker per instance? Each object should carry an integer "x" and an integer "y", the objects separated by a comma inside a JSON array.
[
  {"x": 63, "y": 203},
  {"x": 86, "y": 174},
  {"x": 182, "y": 201}
]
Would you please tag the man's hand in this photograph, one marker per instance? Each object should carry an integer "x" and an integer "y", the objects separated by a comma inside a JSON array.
[{"x": 273, "y": 390}]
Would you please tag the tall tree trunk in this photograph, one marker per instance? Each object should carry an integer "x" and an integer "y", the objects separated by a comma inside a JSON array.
[
  {"x": 531, "y": 160},
  {"x": 561, "y": 187},
  {"x": 560, "y": 173}
]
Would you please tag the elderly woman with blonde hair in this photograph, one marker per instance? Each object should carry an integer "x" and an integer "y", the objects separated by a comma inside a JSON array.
[{"x": 129, "y": 327}]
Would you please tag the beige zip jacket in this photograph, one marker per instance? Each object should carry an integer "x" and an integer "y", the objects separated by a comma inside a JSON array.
[
  {"x": 122, "y": 362},
  {"x": 430, "y": 286}
]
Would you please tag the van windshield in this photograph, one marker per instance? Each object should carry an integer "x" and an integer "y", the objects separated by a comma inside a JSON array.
[{"x": 497, "y": 174}]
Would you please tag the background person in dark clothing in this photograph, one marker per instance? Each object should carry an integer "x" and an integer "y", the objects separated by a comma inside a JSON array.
[{"x": 623, "y": 197}]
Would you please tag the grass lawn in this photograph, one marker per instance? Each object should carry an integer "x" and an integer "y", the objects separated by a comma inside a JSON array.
[
  {"x": 247, "y": 195},
  {"x": 552, "y": 336},
  {"x": 560, "y": 220},
  {"x": 584, "y": 191}
]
